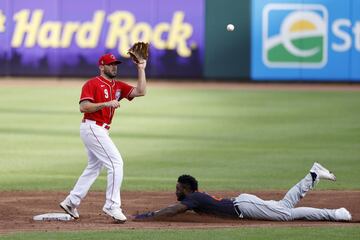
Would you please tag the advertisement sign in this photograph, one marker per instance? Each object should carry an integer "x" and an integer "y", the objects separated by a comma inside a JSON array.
[
  {"x": 66, "y": 38},
  {"x": 306, "y": 40}
]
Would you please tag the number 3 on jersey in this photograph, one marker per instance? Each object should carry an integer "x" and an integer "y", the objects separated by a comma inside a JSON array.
[{"x": 106, "y": 93}]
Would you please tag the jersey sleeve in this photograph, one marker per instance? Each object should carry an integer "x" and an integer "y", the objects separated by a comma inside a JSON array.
[
  {"x": 126, "y": 89},
  {"x": 87, "y": 92},
  {"x": 191, "y": 201}
]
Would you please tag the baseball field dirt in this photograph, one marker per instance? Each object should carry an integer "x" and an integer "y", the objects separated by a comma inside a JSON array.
[{"x": 18, "y": 207}]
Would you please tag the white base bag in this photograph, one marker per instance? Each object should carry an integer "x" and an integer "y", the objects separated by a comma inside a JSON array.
[{"x": 53, "y": 217}]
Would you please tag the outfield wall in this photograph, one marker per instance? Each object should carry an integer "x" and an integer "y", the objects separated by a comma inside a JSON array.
[
  {"x": 66, "y": 37},
  {"x": 306, "y": 40},
  {"x": 274, "y": 40},
  {"x": 227, "y": 54}
]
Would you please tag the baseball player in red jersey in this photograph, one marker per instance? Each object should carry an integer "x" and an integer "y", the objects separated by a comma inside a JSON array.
[{"x": 100, "y": 97}]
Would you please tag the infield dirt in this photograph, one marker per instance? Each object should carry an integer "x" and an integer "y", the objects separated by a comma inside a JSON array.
[{"x": 18, "y": 207}]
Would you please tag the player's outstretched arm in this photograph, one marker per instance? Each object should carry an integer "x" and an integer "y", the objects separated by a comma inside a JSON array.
[
  {"x": 140, "y": 89},
  {"x": 165, "y": 212}
]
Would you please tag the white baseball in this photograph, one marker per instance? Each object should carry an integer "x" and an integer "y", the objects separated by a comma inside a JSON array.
[{"x": 230, "y": 27}]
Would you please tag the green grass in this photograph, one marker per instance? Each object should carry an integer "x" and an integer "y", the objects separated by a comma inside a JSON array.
[
  {"x": 303, "y": 233},
  {"x": 229, "y": 139}
]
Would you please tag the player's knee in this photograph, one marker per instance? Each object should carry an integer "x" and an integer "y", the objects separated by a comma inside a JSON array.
[
  {"x": 114, "y": 166},
  {"x": 118, "y": 165}
]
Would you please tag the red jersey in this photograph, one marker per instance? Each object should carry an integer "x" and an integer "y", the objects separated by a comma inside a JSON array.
[{"x": 98, "y": 90}]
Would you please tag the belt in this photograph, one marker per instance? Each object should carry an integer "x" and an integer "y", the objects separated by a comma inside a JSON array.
[
  {"x": 237, "y": 210},
  {"x": 104, "y": 125}
]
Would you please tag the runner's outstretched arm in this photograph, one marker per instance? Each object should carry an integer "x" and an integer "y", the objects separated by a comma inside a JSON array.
[{"x": 169, "y": 211}]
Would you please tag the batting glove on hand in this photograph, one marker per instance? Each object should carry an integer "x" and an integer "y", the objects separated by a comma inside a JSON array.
[{"x": 144, "y": 216}]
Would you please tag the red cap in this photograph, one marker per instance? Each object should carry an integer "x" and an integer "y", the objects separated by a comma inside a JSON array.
[{"x": 108, "y": 59}]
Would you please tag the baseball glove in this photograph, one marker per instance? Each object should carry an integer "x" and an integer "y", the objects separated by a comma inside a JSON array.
[{"x": 139, "y": 52}]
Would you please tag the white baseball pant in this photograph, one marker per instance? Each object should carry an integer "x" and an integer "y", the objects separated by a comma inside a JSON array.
[{"x": 102, "y": 152}]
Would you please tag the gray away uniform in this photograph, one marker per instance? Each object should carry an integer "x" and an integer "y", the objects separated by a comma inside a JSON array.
[{"x": 252, "y": 207}]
